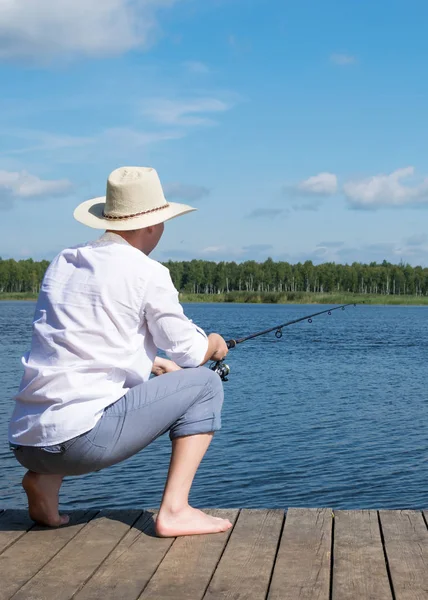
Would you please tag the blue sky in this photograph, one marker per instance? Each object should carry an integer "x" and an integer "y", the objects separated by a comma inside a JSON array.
[{"x": 299, "y": 129}]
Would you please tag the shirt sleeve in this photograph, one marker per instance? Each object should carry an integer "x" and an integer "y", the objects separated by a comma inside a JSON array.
[{"x": 175, "y": 334}]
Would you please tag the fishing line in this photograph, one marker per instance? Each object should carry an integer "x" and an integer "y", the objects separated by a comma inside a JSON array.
[{"x": 223, "y": 370}]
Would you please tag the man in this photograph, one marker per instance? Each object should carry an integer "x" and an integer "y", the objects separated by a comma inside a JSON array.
[{"x": 85, "y": 401}]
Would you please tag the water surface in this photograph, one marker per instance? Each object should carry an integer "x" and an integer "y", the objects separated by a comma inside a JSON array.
[{"x": 333, "y": 414}]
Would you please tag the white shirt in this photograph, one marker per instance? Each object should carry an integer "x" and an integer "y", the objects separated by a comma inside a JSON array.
[{"x": 103, "y": 310}]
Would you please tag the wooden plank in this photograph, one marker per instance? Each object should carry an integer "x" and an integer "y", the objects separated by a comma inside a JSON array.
[
  {"x": 30, "y": 553},
  {"x": 302, "y": 568},
  {"x": 69, "y": 570},
  {"x": 246, "y": 566},
  {"x": 406, "y": 544},
  {"x": 13, "y": 525},
  {"x": 186, "y": 570},
  {"x": 359, "y": 567},
  {"x": 130, "y": 566}
]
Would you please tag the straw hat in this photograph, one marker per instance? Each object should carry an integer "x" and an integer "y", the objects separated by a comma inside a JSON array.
[{"x": 134, "y": 200}]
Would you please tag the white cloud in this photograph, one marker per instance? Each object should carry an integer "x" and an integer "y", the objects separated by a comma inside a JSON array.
[
  {"x": 186, "y": 112},
  {"x": 127, "y": 137},
  {"x": 195, "y": 66},
  {"x": 47, "y": 29},
  {"x": 265, "y": 213},
  {"x": 123, "y": 142},
  {"x": 20, "y": 184},
  {"x": 32, "y": 140},
  {"x": 236, "y": 253},
  {"x": 239, "y": 44},
  {"x": 386, "y": 191},
  {"x": 185, "y": 191},
  {"x": 420, "y": 239},
  {"x": 307, "y": 206},
  {"x": 323, "y": 184},
  {"x": 214, "y": 249},
  {"x": 343, "y": 60},
  {"x": 331, "y": 244},
  {"x": 393, "y": 252}
]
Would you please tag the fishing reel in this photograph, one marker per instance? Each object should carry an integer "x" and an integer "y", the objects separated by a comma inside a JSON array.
[{"x": 221, "y": 368}]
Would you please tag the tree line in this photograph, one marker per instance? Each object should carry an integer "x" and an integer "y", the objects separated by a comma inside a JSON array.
[
  {"x": 207, "y": 277},
  {"x": 22, "y": 275}
]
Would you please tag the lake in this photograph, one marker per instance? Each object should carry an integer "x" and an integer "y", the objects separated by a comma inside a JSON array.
[{"x": 333, "y": 414}]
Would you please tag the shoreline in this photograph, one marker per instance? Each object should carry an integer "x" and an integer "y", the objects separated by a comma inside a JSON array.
[
  {"x": 303, "y": 298},
  {"x": 272, "y": 298}
]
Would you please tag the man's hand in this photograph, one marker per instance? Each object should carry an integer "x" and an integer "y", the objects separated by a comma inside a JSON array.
[
  {"x": 163, "y": 365},
  {"x": 217, "y": 348}
]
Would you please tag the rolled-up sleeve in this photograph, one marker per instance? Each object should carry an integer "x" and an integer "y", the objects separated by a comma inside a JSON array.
[{"x": 175, "y": 334}]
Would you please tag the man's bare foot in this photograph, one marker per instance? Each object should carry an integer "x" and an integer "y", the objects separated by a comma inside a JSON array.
[
  {"x": 42, "y": 493},
  {"x": 188, "y": 521}
]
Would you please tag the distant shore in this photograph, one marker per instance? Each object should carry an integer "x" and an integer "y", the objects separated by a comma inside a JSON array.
[
  {"x": 304, "y": 298},
  {"x": 18, "y": 296},
  {"x": 276, "y": 298}
]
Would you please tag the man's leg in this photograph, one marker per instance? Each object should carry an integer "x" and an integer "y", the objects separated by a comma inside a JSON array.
[
  {"x": 42, "y": 493},
  {"x": 187, "y": 403},
  {"x": 176, "y": 517}
]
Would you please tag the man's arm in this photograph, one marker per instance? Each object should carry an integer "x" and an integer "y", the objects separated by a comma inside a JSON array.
[
  {"x": 183, "y": 342},
  {"x": 217, "y": 348}
]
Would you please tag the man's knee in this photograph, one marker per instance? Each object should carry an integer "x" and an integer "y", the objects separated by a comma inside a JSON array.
[{"x": 204, "y": 415}]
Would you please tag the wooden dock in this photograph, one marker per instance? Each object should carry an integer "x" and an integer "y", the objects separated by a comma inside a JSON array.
[{"x": 304, "y": 554}]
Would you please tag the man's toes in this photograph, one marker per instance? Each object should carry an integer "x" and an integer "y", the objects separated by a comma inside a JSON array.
[{"x": 64, "y": 519}]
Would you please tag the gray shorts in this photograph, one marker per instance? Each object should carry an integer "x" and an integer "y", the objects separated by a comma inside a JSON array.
[{"x": 185, "y": 402}]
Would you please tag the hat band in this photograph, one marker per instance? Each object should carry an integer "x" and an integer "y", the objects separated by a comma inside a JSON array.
[{"x": 139, "y": 214}]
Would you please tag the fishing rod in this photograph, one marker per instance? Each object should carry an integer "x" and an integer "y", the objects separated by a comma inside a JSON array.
[{"x": 223, "y": 370}]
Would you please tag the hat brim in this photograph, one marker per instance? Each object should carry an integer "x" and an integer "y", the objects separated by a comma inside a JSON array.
[{"x": 90, "y": 213}]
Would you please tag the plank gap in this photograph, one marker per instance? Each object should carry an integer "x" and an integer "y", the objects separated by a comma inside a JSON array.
[
  {"x": 22, "y": 526},
  {"x": 303, "y": 561},
  {"x": 189, "y": 564},
  {"x": 385, "y": 554},
  {"x": 30, "y": 554},
  {"x": 333, "y": 530},
  {"x": 123, "y": 574},
  {"x": 158, "y": 567},
  {"x": 79, "y": 589},
  {"x": 247, "y": 562},
  {"x": 276, "y": 555},
  {"x": 62, "y": 576},
  {"x": 359, "y": 568},
  {"x": 222, "y": 553},
  {"x": 96, "y": 512}
]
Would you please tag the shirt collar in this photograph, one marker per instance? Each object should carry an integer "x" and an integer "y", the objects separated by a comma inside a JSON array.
[{"x": 110, "y": 236}]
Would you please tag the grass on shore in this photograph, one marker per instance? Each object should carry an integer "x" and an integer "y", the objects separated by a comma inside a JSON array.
[
  {"x": 303, "y": 298},
  {"x": 275, "y": 298},
  {"x": 18, "y": 296}
]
